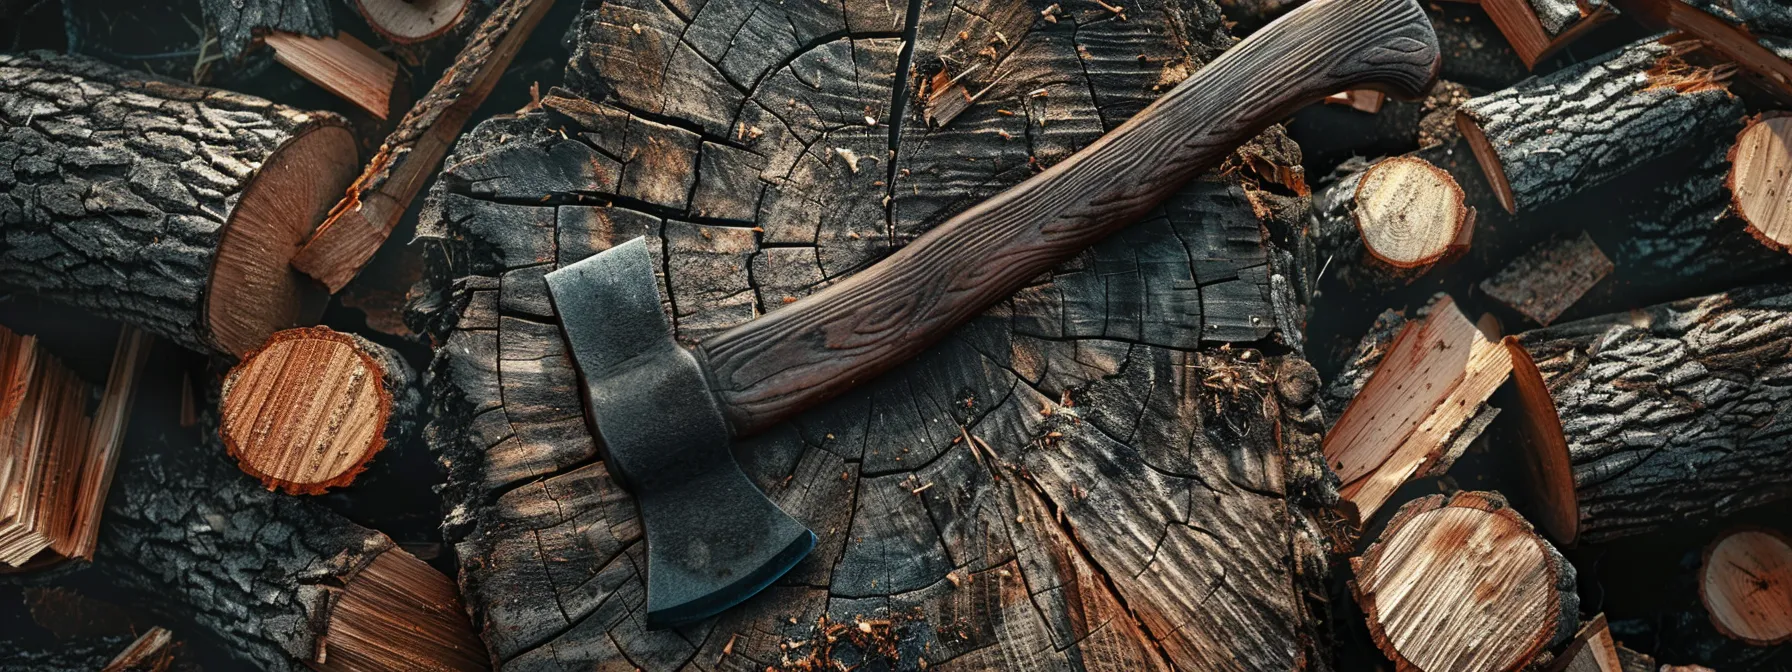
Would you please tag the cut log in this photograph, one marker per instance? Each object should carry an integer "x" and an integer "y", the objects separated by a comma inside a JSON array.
[
  {"x": 168, "y": 206},
  {"x": 1544, "y": 139},
  {"x": 1591, "y": 650},
  {"x": 412, "y": 21},
  {"x": 1096, "y": 460},
  {"x": 1745, "y": 583},
  {"x": 1761, "y": 161},
  {"x": 1537, "y": 29},
  {"x": 1464, "y": 584},
  {"x": 357, "y": 226},
  {"x": 1754, "y": 35},
  {"x": 1389, "y": 223},
  {"x": 280, "y": 583},
  {"x": 310, "y": 409},
  {"x": 1639, "y": 420},
  {"x": 1411, "y": 416},
  {"x": 239, "y": 21},
  {"x": 1550, "y": 278},
  {"x": 342, "y": 65}
]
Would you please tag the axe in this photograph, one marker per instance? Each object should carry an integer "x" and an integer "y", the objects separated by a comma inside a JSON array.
[{"x": 664, "y": 414}]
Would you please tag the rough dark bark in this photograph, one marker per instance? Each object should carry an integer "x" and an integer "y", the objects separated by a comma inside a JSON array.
[
  {"x": 238, "y": 20},
  {"x": 1545, "y": 139},
  {"x": 1075, "y": 480},
  {"x": 123, "y": 187},
  {"x": 1668, "y": 414}
]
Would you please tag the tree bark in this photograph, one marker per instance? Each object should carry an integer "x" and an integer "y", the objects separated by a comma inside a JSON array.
[
  {"x": 1638, "y": 420},
  {"x": 238, "y": 21},
  {"x": 1063, "y": 482},
  {"x": 1545, "y": 139},
  {"x": 155, "y": 203}
]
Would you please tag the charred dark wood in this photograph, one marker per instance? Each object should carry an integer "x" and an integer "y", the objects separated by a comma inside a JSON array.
[
  {"x": 1639, "y": 420},
  {"x": 1545, "y": 139},
  {"x": 86, "y": 653},
  {"x": 172, "y": 207}
]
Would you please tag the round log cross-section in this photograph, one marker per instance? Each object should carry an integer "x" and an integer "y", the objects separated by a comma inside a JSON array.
[
  {"x": 1080, "y": 478},
  {"x": 1760, "y": 162},
  {"x": 1745, "y": 582},
  {"x": 1408, "y": 211}
]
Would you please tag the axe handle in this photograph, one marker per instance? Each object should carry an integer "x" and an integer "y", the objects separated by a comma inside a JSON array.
[{"x": 769, "y": 369}]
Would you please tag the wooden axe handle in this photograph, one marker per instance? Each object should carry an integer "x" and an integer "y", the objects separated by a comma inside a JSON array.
[{"x": 771, "y": 368}]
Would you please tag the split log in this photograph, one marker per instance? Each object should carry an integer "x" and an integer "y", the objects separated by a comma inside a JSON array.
[
  {"x": 1424, "y": 403},
  {"x": 357, "y": 226},
  {"x": 1058, "y": 483},
  {"x": 1546, "y": 138},
  {"x": 1754, "y": 35},
  {"x": 342, "y": 65},
  {"x": 1387, "y": 224},
  {"x": 309, "y": 410},
  {"x": 1672, "y": 413},
  {"x": 1548, "y": 279},
  {"x": 239, "y": 21},
  {"x": 1745, "y": 583},
  {"x": 280, "y": 583},
  {"x": 412, "y": 21},
  {"x": 160, "y": 204},
  {"x": 1464, "y": 584},
  {"x": 1591, "y": 650},
  {"x": 1537, "y": 29},
  {"x": 1761, "y": 161}
]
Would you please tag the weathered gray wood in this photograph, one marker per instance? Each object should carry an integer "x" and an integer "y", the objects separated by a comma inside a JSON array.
[
  {"x": 1075, "y": 480},
  {"x": 1669, "y": 414}
]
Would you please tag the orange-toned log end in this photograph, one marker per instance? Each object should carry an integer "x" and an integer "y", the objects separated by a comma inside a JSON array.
[
  {"x": 1489, "y": 160},
  {"x": 346, "y": 241},
  {"x": 307, "y": 411},
  {"x": 1760, "y": 192},
  {"x": 412, "y": 21},
  {"x": 1464, "y": 584},
  {"x": 1746, "y": 585},
  {"x": 1544, "y": 461},
  {"x": 1409, "y": 212},
  {"x": 398, "y": 613}
]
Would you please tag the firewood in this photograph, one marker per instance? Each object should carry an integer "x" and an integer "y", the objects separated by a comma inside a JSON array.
[
  {"x": 309, "y": 410},
  {"x": 1387, "y": 224},
  {"x": 412, "y": 21},
  {"x": 281, "y": 583},
  {"x": 172, "y": 207},
  {"x": 1464, "y": 584},
  {"x": 1761, "y": 160},
  {"x": 1591, "y": 650},
  {"x": 1537, "y": 29},
  {"x": 1411, "y": 416},
  {"x": 342, "y": 65},
  {"x": 1745, "y": 583},
  {"x": 1754, "y": 35},
  {"x": 1549, "y": 278},
  {"x": 239, "y": 21},
  {"x": 153, "y": 651},
  {"x": 1637, "y": 420},
  {"x": 1546, "y": 138},
  {"x": 359, "y": 224}
]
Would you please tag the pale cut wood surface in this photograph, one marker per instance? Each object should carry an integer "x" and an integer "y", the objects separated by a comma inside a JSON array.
[
  {"x": 306, "y": 411},
  {"x": 1409, "y": 211},
  {"x": 1591, "y": 650},
  {"x": 1746, "y": 585},
  {"x": 342, "y": 65},
  {"x": 1761, "y": 179},
  {"x": 411, "y": 21}
]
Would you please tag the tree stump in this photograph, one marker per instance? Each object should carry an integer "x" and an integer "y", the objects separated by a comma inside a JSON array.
[
  {"x": 1672, "y": 413},
  {"x": 172, "y": 207},
  {"x": 1077, "y": 479},
  {"x": 1745, "y": 582}
]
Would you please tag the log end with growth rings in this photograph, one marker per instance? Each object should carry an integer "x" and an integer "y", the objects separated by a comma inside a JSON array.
[
  {"x": 412, "y": 21},
  {"x": 1760, "y": 179},
  {"x": 1746, "y": 585},
  {"x": 307, "y": 411},
  {"x": 1409, "y": 212},
  {"x": 1464, "y": 584}
]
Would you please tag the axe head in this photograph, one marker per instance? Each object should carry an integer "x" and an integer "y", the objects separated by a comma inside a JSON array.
[{"x": 713, "y": 539}]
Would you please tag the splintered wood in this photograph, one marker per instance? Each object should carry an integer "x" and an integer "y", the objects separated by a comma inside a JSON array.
[
  {"x": 1548, "y": 280},
  {"x": 151, "y": 652},
  {"x": 1746, "y": 585},
  {"x": 1760, "y": 179},
  {"x": 57, "y": 460},
  {"x": 1463, "y": 585},
  {"x": 342, "y": 65},
  {"x": 1410, "y": 212},
  {"x": 1738, "y": 31},
  {"x": 400, "y": 613},
  {"x": 1591, "y": 650},
  {"x": 307, "y": 411},
  {"x": 1408, "y": 419}
]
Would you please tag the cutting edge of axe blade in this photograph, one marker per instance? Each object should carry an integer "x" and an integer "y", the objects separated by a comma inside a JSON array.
[{"x": 713, "y": 538}]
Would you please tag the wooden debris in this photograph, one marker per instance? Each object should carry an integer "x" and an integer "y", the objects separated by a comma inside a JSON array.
[
  {"x": 1756, "y": 36},
  {"x": 1546, "y": 138},
  {"x": 412, "y": 21},
  {"x": 151, "y": 652},
  {"x": 310, "y": 409},
  {"x": 360, "y": 223},
  {"x": 1642, "y": 419},
  {"x": 1760, "y": 180},
  {"x": 1410, "y": 417},
  {"x": 1549, "y": 278},
  {"x": 193, "y": 250},
  {"x": 342, "y": 65},
  {"x": 1537, "y": 29},
  {"x": 1745, "y": 583},
  {"x": 1463, "y": 584},
  {"x": 1591, "y": 650}
]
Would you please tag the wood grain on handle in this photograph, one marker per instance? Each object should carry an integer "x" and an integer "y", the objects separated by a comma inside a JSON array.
[{"x": 771, "y": 368}]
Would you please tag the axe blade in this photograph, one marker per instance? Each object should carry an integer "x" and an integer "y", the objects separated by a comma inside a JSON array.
[{"x": 713, "y": 539}]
